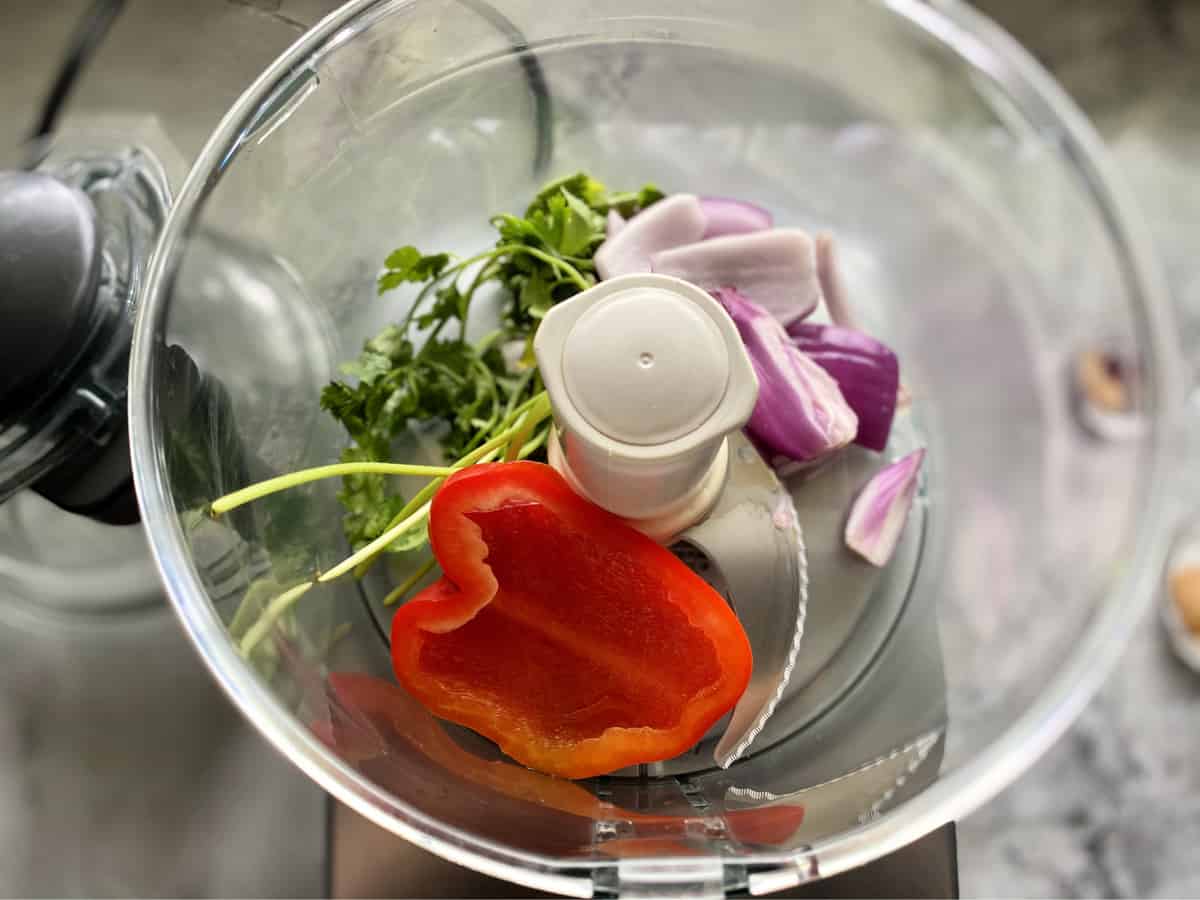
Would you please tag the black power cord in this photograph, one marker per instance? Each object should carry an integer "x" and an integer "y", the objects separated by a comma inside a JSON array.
[{"x": 87, "y": 37}]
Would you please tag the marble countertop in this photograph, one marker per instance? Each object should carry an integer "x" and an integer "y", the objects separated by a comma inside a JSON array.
[
  {"x": 98, "y": 796},
  {"x": 1113, "y": 810}
]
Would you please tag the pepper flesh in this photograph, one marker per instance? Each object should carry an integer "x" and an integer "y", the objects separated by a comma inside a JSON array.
[{"x": 573, "y": 641}]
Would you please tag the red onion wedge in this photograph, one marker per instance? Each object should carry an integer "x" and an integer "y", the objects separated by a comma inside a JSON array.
[
  {"x": 829, "y": 273},
  {"x": 774, "y": 269},
  {"x": 879, "y": 512},
  {"x": 800, "y": 413},
  {"x": 727, "y": 216},
  {"x": 671, "y": 222},
  {"x": 614, "y": 223},
  {"x": 867, "y": 372}
]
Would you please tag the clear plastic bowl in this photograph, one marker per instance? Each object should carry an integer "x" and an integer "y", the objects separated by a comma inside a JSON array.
[{"x": 983, "y": 237}]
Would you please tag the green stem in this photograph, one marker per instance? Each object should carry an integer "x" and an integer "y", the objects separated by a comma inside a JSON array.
[
  {"x": 445, "y": 273},
  {"x": 509, "y": 409},
  {"x": 410, "y": 582},
  {"x": 530, "y": 413},
  {"x": 485, "y": 269},
  {"x": 406, "y": 322},
  {"x": 518, "y": 440},
  {"x": 270, "y": 615},
  {"x": 484, "y": 344},
  {"x": 488, "y": 269},
  {"x": 506, "y": 423},
  {"x": 432, "y": 337},
  {"x": 427, "y": 492},
  {"x": 534, "y": 445},
  {"x": 415, "y": 510},
  {"x": 418, "y": 507},
  {"x": 539, "y": 408},
  {"x": 412, "y": 512},
  {"x": 522, "y": 386},
  {"x": 238, "y": 498},
  {"x": 377, "y": 546},
  {"x": 453, "y": 271},
  {"x": 447, "y": 371},
  {"x": 566, "y": 268},
  {"x": 540, "y": 399},
  {"x": 490, "y": 380}
]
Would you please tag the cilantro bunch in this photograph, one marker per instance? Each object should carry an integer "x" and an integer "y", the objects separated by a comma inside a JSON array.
[{"x": 466, "y": 392}]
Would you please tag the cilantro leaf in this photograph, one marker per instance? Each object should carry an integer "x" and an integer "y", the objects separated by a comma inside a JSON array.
[
  {"x": 392, "y": 343},
  {"x": 408, "y": 264},
  {"x": 579, "y": 184},
  {"x": 369, "y": 367},
  {"x": 535, "y": 296},
  {"x": 579, "y": 225},
  {"x": 514, "y": 231},
  {"x": 633, "y": 202},
  {"x": 461, "y": 389},
  {"x": 449, "y": 305},
  {"x": 369, "y": 502}
]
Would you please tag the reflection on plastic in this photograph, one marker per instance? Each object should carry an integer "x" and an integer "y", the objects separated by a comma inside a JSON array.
[
  {"x": 369, "y": 715},
  {"x": 375, "y": 726}
]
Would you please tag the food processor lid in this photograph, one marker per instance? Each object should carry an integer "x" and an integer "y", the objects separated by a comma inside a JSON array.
[
  {"x": 48, "y": 276},
  {"x": 76, "y": 232},
  {"x": 75, "y": 235}
]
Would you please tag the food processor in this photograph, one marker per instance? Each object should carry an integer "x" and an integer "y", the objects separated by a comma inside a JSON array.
[{"x": 981, "y": 234}]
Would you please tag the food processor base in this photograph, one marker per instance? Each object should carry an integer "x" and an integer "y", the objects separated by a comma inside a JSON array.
[{"x": 363, "y": 860}]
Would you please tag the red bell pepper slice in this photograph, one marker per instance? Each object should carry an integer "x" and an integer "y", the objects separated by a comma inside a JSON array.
[{"x": 573, "y": 641}]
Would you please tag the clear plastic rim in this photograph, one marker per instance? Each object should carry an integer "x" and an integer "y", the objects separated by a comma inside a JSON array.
[{"x": 995, "y": 55}]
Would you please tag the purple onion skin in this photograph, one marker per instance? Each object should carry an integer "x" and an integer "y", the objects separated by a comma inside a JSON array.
[
  {"x": 728, "y": 216},
  {"x": 800, "y": 413},
  {"x": 614, "y": 223},
  {"x": 866, "y": 370},
  {"x": 880, "y": 511}
]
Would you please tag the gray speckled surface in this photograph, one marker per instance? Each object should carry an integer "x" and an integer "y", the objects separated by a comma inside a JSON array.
[
  {"x": 1113, "y": 810},
  {"x": 126, "y": 772},
  {"x": 97, "y": 791}
]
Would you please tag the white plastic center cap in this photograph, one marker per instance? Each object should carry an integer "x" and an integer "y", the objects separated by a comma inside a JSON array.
[
  {"x": 647, "y": 375},
  {"x": 646, "y": 367}
]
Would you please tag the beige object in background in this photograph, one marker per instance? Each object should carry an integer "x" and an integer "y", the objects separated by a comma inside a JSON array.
[{"x": 1185, "y": 593}]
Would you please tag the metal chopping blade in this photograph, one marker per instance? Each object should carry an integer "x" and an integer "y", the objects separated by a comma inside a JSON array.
[
  {"x": 849, "y": 799},
  {"x": 753, "y": 537}
]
